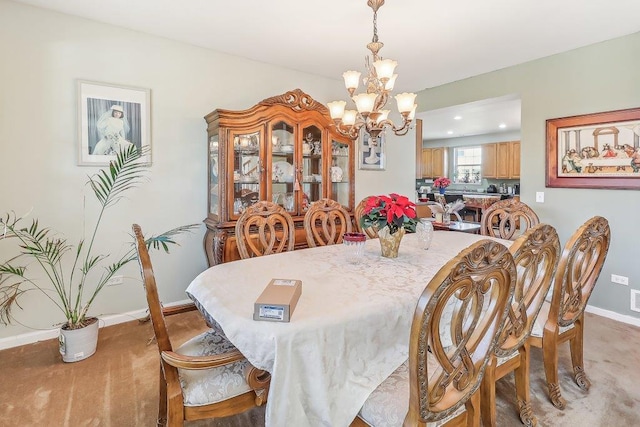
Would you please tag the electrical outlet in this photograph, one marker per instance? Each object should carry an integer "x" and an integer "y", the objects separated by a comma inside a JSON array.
[
  {"x": 115, "y": 280},
  {"x": 540, "y": 196},
  {"x": 635, "y": 300},
  {"x": 621, "y": 280}
]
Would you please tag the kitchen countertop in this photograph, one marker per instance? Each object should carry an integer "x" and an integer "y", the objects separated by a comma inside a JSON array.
[{"x": 469, "y": 194}]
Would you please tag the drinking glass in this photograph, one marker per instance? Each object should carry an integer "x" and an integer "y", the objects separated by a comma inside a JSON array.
[
  {"x": 424, "y": 229},
  {"x": 288, "y": 201},
  {"x": 354, "y": 243}
]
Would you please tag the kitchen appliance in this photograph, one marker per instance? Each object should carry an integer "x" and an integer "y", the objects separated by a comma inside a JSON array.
[
  {"x": 516, "y": 188},
  {"x": 492, "y": 189}
]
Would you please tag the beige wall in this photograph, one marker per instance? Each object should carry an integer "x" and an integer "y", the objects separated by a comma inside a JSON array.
[
  {"x": 601, "y": 77},
  {"x": 43, "y": 54}
]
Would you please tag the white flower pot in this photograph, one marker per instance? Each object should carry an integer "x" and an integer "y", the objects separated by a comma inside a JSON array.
[{"x": 78, "y": 344}]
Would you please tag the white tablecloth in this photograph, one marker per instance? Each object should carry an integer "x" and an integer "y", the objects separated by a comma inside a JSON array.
[{"x": 349, "y": 331}]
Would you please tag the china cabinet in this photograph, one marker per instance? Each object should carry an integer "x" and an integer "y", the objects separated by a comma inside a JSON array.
[{"x": 285, "y": 150}]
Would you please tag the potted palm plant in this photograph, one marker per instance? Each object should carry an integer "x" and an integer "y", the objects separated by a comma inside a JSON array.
[{"x": 72, "y": 276}]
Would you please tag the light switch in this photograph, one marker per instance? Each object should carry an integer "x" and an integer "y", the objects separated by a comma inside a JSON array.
[{"x": 540, "y": 196}]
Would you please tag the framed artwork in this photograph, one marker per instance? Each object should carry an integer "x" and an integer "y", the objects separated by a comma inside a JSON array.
[
  {"x": 371, "y": 154},
  {"x": 111, "y": 117},
  {"x": 600, "y": 150}
]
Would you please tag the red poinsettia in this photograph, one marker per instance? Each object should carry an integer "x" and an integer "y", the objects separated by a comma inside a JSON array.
[
  {"x": 442, "y": 182},
  {"x": 394, "y": 211}
]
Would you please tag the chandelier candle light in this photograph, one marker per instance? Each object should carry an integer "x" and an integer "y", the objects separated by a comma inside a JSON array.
[{"x": 379, "y": 83}]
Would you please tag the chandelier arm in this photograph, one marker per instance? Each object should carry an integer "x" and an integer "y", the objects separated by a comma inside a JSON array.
[
  {"x": 350, "y": 132},
  {"x": 381, "y": 100},
  {"x": 398, "y": 130},
  {"x": 402, "y": 130}
]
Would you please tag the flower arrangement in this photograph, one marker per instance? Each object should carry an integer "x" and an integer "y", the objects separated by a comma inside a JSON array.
[
  {"x": 442, "y": 182},
  {"x": 393, "y": 211}
]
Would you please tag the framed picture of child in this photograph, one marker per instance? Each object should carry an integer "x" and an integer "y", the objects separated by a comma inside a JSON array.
[{"x": 111, "y": 118}]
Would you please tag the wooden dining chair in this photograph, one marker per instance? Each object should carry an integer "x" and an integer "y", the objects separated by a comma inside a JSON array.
[
  {"x": 325, "y": 223},
  {"x": 535, "y": 254},
  {"x": 508, "y": 219},
  {"x": 264, "y": 228},
  {"x": 206, "y": 377},
  {"x": 455, "y": 330},
  {"x": 371, "y": 232},
  {"x": 562, "y": 319}
]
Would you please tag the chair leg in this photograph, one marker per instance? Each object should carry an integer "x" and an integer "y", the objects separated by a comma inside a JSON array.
[
  {"x": 473, "y": 409},
  {"x": 550, "y": 359},
  {"x": 488, "y": 394},
  {"x": 162, "y": 404},
  {"x": 175, "y": 412},
  {"x": 576, "y": 345},
  {"x": 522, "y": 388}
]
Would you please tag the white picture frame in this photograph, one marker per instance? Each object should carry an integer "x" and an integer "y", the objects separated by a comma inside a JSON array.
[
  {"x": 368, "y": 159},
  {"x": 109, "y": 117}
]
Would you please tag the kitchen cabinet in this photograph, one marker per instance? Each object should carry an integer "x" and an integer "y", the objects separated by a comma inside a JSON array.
[
  {"x": 515, "y": 160},
  {"x": 501, "y": 160},
  {"x": 284, "y": 149},
  {"x": 489, "y": 162},
  {"x": 433, "y": 162}
]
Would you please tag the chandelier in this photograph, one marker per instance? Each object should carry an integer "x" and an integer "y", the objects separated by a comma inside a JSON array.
[{"x": 378, "y": 83}]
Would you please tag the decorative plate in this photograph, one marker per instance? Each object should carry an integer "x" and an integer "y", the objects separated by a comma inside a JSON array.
[{"x": 282, "y": 172}]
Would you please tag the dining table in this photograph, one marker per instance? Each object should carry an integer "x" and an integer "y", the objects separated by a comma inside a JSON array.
[{"x": 348, "y": 332}]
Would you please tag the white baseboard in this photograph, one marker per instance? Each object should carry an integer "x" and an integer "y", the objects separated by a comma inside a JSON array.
[
  {"x": 112, "y": 319},
  {"x": 613, "y": 315},
  {"x": 32, "y": 337}
]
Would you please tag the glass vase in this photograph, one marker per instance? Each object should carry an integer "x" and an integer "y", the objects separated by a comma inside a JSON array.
[{"x": 390, "y": 243}]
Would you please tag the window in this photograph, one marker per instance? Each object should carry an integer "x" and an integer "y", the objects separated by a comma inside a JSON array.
[{"x": 467, "y": 164}]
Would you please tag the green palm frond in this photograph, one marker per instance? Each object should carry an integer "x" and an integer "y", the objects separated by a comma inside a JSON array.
[
  {"x": 165, "y": 239},
  {"x": 125, "y": 172},
  {"x": 8, "y": 269},
  {"x": 91, "y": 262},
  {"x": 9, "y": 294},
  {"x": 66, "y": 283}
]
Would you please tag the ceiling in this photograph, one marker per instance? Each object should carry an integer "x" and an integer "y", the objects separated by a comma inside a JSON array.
[
  {"x": 494, "y": 115},
  {"x": 433, "y": 42}
]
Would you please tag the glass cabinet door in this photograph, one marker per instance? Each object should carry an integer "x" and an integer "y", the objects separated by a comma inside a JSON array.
[
  {"x": 283, "y": 173},
  {"x": 340, "y": 173},
  {"x": 214, "y": 175},
  {"x": 311, "y": 167},
  {"x": 247, "y": 169}
]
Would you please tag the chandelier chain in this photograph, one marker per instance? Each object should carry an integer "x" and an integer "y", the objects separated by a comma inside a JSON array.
[{"x": 375, "y": 27}]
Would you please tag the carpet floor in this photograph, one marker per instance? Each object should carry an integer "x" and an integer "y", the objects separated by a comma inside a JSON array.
[{"x": 117, "y": 387}]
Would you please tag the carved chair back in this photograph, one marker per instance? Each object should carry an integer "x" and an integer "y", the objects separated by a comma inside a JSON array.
[
  {"x": 456, "y": 328},
  {"x": 264, "y": 228},
  {"x": 371, "y": 232},
  {"x": 151, "y": 290},
  {"x": 578, "y": 270},
  {"x": 172, "y": 410},
  {"x": 325, "y": 223},
  {"x": 507, "y": 219},
  {"x": 535, "y": 254}
]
